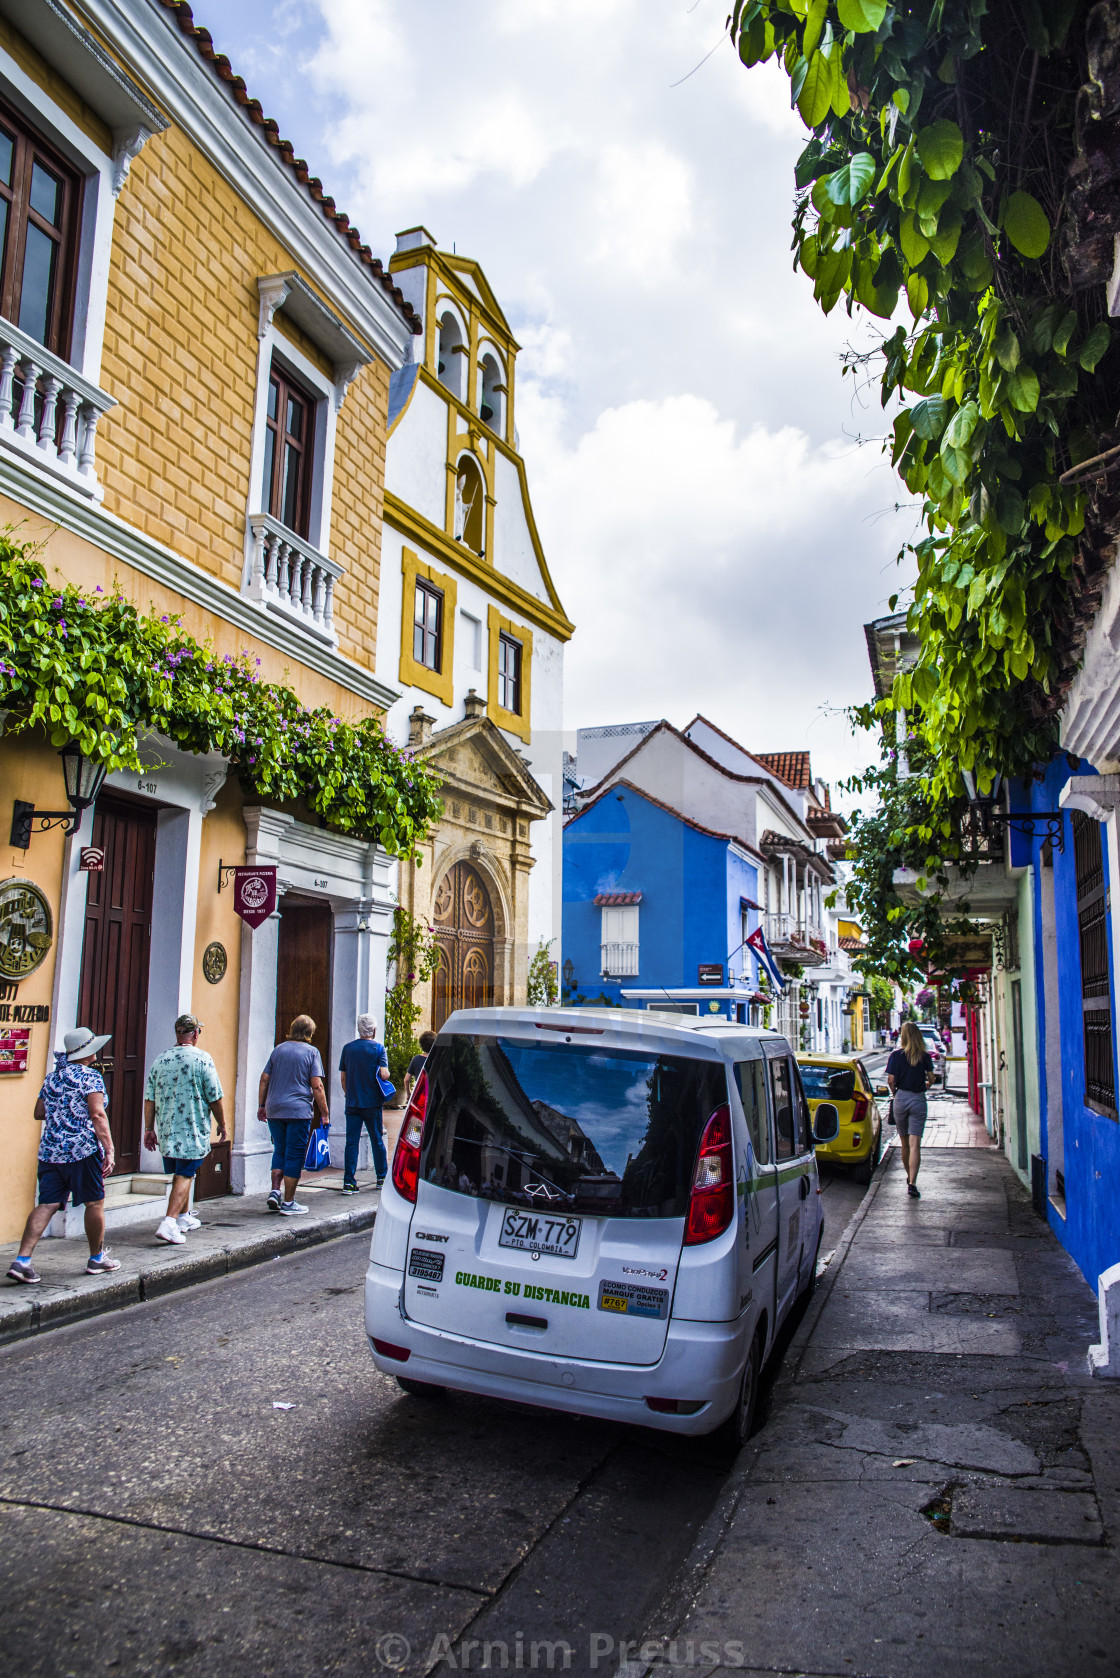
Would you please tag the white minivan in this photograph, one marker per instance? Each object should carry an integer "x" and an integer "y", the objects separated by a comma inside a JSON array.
[{"x": 598, "y": 1210}]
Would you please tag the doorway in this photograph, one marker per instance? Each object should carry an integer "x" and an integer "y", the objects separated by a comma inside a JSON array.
[
  {"x": 464, "y": 919},
  {"x": 303, "y": 972},
  {"x": 116, "y": 953},
  {"x": 1020, "y": 1073}
]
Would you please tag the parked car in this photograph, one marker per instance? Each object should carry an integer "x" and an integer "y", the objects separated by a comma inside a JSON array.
[
  {"x": 936, "y": 1050},
  {"x": 843, "y": 1081},
  {"x": 600, "y": 1211}
]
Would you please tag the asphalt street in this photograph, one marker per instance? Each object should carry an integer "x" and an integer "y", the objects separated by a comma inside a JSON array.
[{"x": 222, "y": 1480}]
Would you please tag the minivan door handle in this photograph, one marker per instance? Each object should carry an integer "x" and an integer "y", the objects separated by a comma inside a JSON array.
[{"x": 803, "y": 1189}]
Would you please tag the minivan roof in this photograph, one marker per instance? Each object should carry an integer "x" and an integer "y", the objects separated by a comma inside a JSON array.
[{"x": 642, "y": 1023}]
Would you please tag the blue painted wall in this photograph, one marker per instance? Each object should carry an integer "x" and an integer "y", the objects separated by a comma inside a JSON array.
[
  {"x": 1090, "y": 1230},
  {"x": 691, "y": 886}
]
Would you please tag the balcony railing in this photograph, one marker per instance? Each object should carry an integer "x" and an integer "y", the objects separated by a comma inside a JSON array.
[
  {"x": 618, "y": 961},
  {"x": 48, "y": 413},
  {"x": 289, "y": 576},
  {"x": 796, "y": 939}
]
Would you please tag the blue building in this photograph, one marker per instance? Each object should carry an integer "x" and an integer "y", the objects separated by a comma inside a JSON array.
[{"x": 652, "y": 899}]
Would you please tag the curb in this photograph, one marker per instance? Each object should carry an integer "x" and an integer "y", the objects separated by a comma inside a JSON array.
[
  {"x": 36, "y": 1316},
  {"x": 688, "y": 1581}
]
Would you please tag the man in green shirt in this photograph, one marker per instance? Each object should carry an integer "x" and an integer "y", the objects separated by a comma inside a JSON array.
[{"x": 181, "y": 1095}]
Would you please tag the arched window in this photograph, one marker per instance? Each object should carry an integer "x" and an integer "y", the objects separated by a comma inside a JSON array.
[
  {"x": 470, "y": 502},
  {"x": 491, "y": 405},
  {"x": 452, "y": 354}
]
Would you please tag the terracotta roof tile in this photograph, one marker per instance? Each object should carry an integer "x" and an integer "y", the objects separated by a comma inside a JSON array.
[
  {"x": 852, "y": 945},
  {"x": 222, "y": 68},
  {"x": 790, "y": 767},
  {"x": 617, "y": 899}
]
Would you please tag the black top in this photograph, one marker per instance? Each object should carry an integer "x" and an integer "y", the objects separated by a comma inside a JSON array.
[
  {"x": 416, "y": 1065},
  {"x": 907, "y": 1077}
]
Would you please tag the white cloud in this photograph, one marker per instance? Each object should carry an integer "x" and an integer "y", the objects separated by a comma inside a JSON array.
[{"x": 643, "y": 207}]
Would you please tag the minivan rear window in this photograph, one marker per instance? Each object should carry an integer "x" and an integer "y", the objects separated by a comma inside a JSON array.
[{"x": 585, "y": 1128}]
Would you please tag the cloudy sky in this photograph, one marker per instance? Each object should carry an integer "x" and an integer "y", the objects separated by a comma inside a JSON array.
[{"x": 715, "y": 530}]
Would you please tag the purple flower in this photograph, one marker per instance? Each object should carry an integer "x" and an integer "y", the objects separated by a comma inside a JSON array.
[
  {"x": 57, "y": 604},
  {"x": 165, "y": 620},
  {"x": 99, "y": 589},
  {"x": 37, "y": 582}
]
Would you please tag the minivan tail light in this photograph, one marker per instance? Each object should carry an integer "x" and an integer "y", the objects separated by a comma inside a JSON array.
[
  {"x": 400, "y": 1354},
  {"x": 711, "y": 1205},
  {"x": 406, "y": 1160}
]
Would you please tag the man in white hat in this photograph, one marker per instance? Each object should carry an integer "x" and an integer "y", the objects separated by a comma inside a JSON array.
[{"x": 75, "y": 1151}]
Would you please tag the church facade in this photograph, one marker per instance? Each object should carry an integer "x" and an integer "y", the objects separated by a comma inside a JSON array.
[{"x": 472, "y": 631}]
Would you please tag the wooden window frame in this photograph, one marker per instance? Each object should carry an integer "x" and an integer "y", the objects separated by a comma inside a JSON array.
[
  {"x": 425, "y": 589},
  {"x": 439, "y": 683},
  {"x": 273, "y": 489},
  {"x": 514, "y": 722},
  {"x": 1095, "y": 965},
  {"x": 509, "y": 648},
  {"x": 30, "y": 145}
]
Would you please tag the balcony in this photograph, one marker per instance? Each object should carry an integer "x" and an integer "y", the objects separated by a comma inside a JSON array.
[
  {"x": 48, "y": 413},
  {"x": 618, "y": 961},
  {"x": 792, "y": 939},
  {"x": 288, "y": 576}
]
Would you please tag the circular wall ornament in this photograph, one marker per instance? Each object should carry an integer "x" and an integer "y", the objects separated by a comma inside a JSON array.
[
  {"x": 26, "y": 928},
  {"x": 214, "y": 963}
]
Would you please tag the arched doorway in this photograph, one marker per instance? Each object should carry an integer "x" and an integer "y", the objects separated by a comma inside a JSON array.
[{"x": 464, "y": 923}]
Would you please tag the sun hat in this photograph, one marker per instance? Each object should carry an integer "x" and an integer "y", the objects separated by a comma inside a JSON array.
[{"x": 82, "y": 1043}]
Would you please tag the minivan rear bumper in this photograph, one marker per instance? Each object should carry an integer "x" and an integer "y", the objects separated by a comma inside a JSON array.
[{"x": 700, "y": 1361}]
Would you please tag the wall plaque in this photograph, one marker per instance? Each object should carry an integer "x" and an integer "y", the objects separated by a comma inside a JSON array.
[
  {"x": 91, "y": 860},
  {"x": 214, "y": 963},
  {"x": 26, "y": 928},
  {"x": 710, "y": 973}
]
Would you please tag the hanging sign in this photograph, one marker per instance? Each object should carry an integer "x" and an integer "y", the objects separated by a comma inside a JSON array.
[
  {"x": 254, "y": 894},
  {"x": 15, "y": 1042},
  {"x": 710, "y": 973}
]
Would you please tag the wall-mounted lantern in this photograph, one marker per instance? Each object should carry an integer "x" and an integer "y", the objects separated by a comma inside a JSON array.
[{"x": 84, "y": 778}]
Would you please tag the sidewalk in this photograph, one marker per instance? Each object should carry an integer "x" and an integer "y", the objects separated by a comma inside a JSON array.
[
  {"x": 936, "y": 1488},
  {"x": 236, "y": 1232}
]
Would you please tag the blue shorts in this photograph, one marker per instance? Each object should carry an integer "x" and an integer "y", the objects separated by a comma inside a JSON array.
[
  {"x": 289, "y": 1144},
  {"x": 183, "y": 1167},
  {"x": 82, "y": 1180}
]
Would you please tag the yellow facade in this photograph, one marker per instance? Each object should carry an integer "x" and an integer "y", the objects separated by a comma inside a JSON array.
[{"x": 186, "y": 230}]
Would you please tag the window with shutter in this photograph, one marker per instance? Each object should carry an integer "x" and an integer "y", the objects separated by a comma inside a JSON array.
[{"x": 1096, "y": 980}]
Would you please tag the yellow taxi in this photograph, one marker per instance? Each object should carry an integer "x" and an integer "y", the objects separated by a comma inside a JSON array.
[{"x": 844, "y": 1080}]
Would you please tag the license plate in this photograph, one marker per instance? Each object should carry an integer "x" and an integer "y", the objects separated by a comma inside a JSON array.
[{"x": 540, "y": 1232}]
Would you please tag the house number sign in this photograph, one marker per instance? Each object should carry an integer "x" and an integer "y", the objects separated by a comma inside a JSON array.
[{"x": 26, "y": 928}]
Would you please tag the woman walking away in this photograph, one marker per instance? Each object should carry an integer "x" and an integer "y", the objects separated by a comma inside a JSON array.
[
  {"x": 909, "y": 1075},
  {"x": 291, "y": 1091}
]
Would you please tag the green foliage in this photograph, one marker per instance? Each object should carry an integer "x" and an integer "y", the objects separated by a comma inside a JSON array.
[
  {"x": 541, "y": 990},
  {"x": 881, "y": 1000},
  {"x": 414, "y": 953},
  {"x": 91, "y": 668},
  {"x": 935, "y": 174}
]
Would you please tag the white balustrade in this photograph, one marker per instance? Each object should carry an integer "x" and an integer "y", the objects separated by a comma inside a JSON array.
[
  {"x": 48, "y": 412},
  {"x": 288, "y": 575},
  {"x": 618, "y": 961}
]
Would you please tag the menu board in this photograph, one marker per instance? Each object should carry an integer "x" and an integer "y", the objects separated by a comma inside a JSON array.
[{"x": 15, "y": 1045}]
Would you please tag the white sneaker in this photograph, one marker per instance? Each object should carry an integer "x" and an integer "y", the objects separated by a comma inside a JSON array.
[
  {"x": 187, "y": 1220},
  {"x": 291, "y": 1209},
  {"x": 170, "y": 1232}
]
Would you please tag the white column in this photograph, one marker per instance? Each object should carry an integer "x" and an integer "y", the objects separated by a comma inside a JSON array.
[
  {"x": 70, "y": 936},
  {"x": 251, "y": 1155}
]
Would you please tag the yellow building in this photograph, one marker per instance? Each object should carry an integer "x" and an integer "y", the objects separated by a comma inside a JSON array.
[
  {"x": 195, "y": 356},
  {"x": 473, "y": 631}
]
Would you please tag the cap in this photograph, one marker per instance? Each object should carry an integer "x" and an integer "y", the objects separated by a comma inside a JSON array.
[
  {"x": 80, "y": 1044},
  {"x": 185, "y": 1023}
]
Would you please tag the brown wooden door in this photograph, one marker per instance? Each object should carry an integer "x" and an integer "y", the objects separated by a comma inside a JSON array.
[
  {"x": 464, "y": 922},
  {"x": 303, "y": 973},
  {"x": 116, "y": 951}
]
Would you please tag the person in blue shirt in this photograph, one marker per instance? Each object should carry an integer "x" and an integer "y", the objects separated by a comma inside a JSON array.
[{"x": 361, "y": 1064}]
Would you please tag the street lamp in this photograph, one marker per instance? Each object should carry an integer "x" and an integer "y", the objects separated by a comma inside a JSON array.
[
  {"x": 988, "y": 815},
  {"x": 84, "y": 777}
]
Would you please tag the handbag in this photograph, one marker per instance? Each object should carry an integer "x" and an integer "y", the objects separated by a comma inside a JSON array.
[
  {"x": 890, "y": 1112},
  {"x": 386, "y": 1086},
  {"x": 318, "y": 1149}
]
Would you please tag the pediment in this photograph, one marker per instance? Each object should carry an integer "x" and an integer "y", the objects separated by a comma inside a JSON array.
[{"x": 474, "y": 756}]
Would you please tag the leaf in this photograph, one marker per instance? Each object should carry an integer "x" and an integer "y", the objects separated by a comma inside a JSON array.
[
  {"x": 815, "y": 100},
  {"x": 1007, "y": 350},
  {"x": 941, "y": 147},
  {"x": 1064, "y": 331},
  {"x": 929, "y": 417},
  {"x": 1095, "y": 346},
  {"x": 814, "y": 23},
  {"x": 1023, "y": 389},
  {"x": 955, "y": 462},
  {"x": 862, "y": 17},
  {"x": 943, "y": 243},
  {"x": 847, "y": 186},
  {"x": 1025, "y": 223},
  {"x": 917, "y": 295},
  {"x": 912, "y": 241},
  {"x": 962, "y": 425}
]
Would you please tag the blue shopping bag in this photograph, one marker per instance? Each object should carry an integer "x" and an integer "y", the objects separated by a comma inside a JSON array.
[{"x": 318, "y": 1149}]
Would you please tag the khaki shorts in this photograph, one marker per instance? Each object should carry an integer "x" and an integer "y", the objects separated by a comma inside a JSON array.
[{"x": 910, "y": 1113}]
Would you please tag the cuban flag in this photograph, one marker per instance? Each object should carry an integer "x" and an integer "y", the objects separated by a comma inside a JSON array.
[{"x": 757, "y": 942}]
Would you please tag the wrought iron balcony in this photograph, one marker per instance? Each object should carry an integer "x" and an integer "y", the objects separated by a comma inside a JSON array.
[{"x": 793, "y": 939}]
